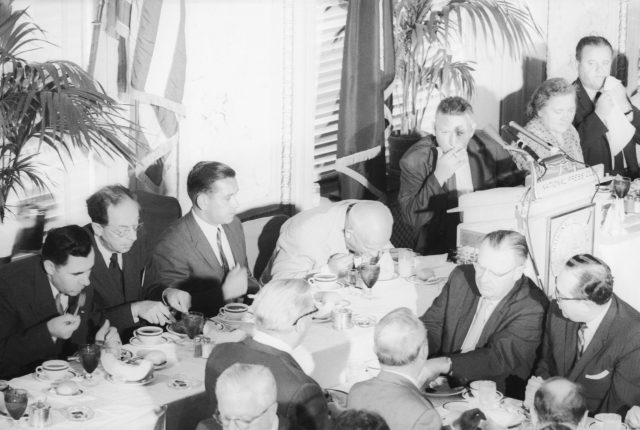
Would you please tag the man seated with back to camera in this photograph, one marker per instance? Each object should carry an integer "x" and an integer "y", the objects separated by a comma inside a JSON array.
[
  {"x": 592, "y": 337},
  {"x": 559, "y": 401},
  {"x": 439, "y": 168},
  {"x": 487, "y": 321},
  {"x": 41, "y": 316}
]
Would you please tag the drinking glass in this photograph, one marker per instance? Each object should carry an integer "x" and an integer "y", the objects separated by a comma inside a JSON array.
[
  {"x": 609, "y": 421},
  {"x": 369, "y": 271},
  {"x": 89, "y": 358},
  {"x": 621, "y": 187},
  {"x": 193, "y": 323},
  {"x": 486, "y": 393},
  {"x": 15, "y": 400}
]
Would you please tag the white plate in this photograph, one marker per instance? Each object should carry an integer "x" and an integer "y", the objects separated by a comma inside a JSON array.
[
  {"x": 78, "y": 413},
  {"x": 469, "y": 397},
  {"x": 171, "y": 330},
  {"x": 137, "y": 342},
  {"x": 143, "y": 353},
  {"x": 42, "y": 377},
  {"x": 443, "y": 391},
  {"x": 431, "y": 281},
  {"x": 53, "y": 391},
  {"x": 150, "y": 377}
]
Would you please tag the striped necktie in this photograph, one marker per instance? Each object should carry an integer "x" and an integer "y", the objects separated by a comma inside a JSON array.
[
  {"x": 581, "y": 343},
  {"x": 223, "y": 258}
]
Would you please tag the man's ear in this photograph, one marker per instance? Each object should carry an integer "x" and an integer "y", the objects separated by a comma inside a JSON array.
[
  {"x": 98, "y": 229},
  {"x": 201, "y": 201},
  {"x": 49, "y": 267}
]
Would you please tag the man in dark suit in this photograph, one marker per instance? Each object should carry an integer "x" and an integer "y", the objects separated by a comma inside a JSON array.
[
  {"x": 592, "y": 337},
  {"x": 601, "y": 98},
  {"x": 487, "y": 321},
  {"x": 282, "y": 310},
  {"x": 201, "y": 258},
  {"x": 247, "y": 394},
  {"x": 401, "y": 346},
  {"x": 120, "y": 260},
  {"x": 40, "y": 313},
  {"x": 559, "y": 401},
  {"x": 437, "y": 169}
]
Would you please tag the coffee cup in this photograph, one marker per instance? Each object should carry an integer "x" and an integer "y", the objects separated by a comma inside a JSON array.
[
  {"x": 323, "y": 280},
  {"x": 53, "y": 370},
  {"x": 234, "y": 311},
  {"x": 485, "y": 393},
  {"x": 607, "y": 421},
  {"x": 149, "y": 335}
]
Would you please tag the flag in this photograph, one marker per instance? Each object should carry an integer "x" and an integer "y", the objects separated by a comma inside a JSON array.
[{"x": 368, "y": 69}]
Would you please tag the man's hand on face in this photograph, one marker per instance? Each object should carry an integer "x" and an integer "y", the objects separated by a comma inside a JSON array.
[
  {"x": 340, "y": 263},
  {"x": 235, "y": 284},
  {"x": 448, "y": 163},
  {"x": 62, "y": 327}
]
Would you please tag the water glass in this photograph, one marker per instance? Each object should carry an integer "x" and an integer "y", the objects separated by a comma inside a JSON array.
[
  {"x": 486, "y": 393},
  {"x": 405, "y": 262},
  {"x": 15, "y": 401},
  {"x": 89, "y": 358},
  {"x": 609, "y": 421},
  {"x": 193, "y": 323}
]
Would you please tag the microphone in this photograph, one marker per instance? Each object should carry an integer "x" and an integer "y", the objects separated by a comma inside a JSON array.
[
  {"x": 520, "y": 144},
  {"x": 492, "y": 133},
  {"x": 531, "y": 136}
]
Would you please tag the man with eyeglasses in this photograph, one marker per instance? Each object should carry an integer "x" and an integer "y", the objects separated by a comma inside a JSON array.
[
  {"x": 487, "y": 321},
  {"x": 247, "y": 399},
  {"x": 201, "y": 259},
  {"x": 592, "y": 338},
  {"x": 282, "y": 310},
  {"x": 118, "y": 273},
  {"x": 327, "y": 237}
]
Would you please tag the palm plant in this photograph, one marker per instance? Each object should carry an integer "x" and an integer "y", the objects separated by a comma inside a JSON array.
[
  {"x": 425, "y": 31},
  {"x": 55, "y": 104}
]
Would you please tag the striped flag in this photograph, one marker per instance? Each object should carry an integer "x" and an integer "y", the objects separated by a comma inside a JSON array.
[{"x": 368, "y": 69}]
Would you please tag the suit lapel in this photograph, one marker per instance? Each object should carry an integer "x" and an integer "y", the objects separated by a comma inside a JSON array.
[
  {"x": 469, "y": 301},
  {"x": 583, "y": 99},
  {"x": 200, "y": 242},
  {"x": 496, "y": 316},
  {"x": 234, "y": 243},
  {"x": 133, "y": 274},
  {"x": 476, "y": 167},
  {"x": 597, "y": 343}
]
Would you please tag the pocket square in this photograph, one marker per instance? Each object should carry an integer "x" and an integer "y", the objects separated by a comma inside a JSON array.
[{"x": 600, "y": 375}]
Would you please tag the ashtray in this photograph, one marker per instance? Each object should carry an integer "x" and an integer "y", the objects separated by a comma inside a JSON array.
[
  {"x": 364, "y": 321},
  {"x": 78, "y": 413},
  {"x": 182, "y": 382}
]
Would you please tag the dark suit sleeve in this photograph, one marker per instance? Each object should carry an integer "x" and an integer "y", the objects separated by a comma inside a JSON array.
[
  {"x": 20, "y": 345},
  {"x": 546, "y": 366},
  {"x": 310, "y": 408},
  {"x": 433, "y": 319},
  {"x": 512, "y": 347},
  {"x": 507, "y": 173},
  {"x": 591, "y": 129},
  {"x": 625, "y": 384},
  {"x": 167, "y": 269},
  {"x": 120, "y": 316}
]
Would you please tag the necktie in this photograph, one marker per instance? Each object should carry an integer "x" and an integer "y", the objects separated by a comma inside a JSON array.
[
  {"x": 59, "y": 307},
  {"x": 581, "y": 345},
  {"x": 114, "y": 268},
  {"x": 223, "y": 257},
  {"x": 477, "y": 325}
]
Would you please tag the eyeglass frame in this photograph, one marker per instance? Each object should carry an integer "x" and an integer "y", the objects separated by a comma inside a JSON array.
[
  {"x": 122, "y": 230},
  {"x": 217, "y": 416},
  {"x": 559, "y": 298},
  {"x": 481, "y": 270},
  {"x": 315, "y": 310}
]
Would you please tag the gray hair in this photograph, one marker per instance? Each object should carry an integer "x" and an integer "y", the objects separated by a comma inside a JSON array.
[
  {"x": 280, "y": 302},
  {"x": 559, "y": 400},
  {"x": 252, "y": 380},
  {"x": 595, "y": 281},
  {"x": 510, "y": 239},
  {"x": 398, "y": 337}
]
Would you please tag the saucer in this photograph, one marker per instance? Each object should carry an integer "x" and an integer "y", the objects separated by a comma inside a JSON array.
[
  {"x": 596, "y": 425},
  {"x": 443, "y": 391},
  {"x": 431, "y": 281},
  {"x": 471, "y": 399},
  {"x": 78, "y": 413},
  {"x": 322, "y": 320},
  {"x": 52, "y": 390},
  {"x": 137, "y": 342},
  {"x": 43, "y": 378},
  {"x": 150, "y": 377}
]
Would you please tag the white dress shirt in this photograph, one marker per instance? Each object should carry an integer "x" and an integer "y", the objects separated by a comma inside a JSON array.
[
  {"x": 106, "y": 254},
  {"x": 592, "y": 326},
  {"x": 64, "y": 301},
  {"x": 464, "y": 183},
  {"x": 211, "y": 233},
  {"x": 483, "y": 313}
]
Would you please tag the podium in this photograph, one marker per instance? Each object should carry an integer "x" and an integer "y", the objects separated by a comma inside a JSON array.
[{"x": 556, "y": 216}]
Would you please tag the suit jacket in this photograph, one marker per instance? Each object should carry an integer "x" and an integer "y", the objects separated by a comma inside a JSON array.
[
  {"x": 424, "y": 202},
  {"x": 507, "y": 346},
  {"x": 26, "y": 305},
  {"x": 397, "y": 400},
  {"x": 593, "y": 139},
  {"x": 300, "y": 398},
  {"x": 211, "y": 424},
  {"x": 609, "y": 369},
  {"x": 183, "y": 258},
  {"x": 307, "y": 240},
  {"x": 109, "y": 296}
]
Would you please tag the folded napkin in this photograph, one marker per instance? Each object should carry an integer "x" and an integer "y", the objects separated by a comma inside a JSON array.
[{"x": 387, "y": 269}]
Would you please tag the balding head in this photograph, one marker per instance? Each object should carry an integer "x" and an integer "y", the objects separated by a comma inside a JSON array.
[
  {"x": 399, "y": 338},
  {"x": 368, "y": 226},
  {"x": 559, "y": 401},
  {"x": 248, "y": 392}
]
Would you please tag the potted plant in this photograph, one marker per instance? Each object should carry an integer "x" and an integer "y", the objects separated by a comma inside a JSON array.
[
  {"x": 425, "y": 31},
  {"x": 52, "y": 104}
]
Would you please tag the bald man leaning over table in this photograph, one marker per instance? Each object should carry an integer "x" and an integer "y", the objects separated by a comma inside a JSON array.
[
  {"x": 327, "y": 236},
  {"x": 487, "y": 321}
]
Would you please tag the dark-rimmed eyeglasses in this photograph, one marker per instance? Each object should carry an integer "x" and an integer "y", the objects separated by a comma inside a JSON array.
[
  {"x": 559, "y": 298},
  {"x": 122, "y": 230},
  {"x": 315, "y": 309},
  {"x": 241, "y": 423}
]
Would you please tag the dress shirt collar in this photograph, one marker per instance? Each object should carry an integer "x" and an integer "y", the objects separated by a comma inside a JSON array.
[
  {"x": 592, "y": 326},
  {"x": 272, "y": 341},
  {"x": 64, "y": 299},
  {"x": 106, "y": 254},
  {"x": 403, "y": 375},
  {"x": 204, "y": 225},
  {"x": 591, "y": 93}
]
